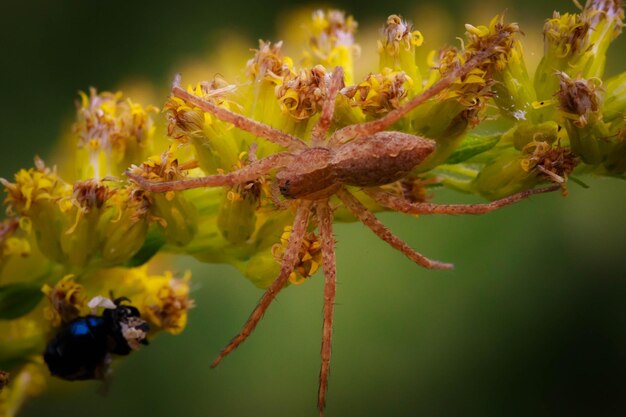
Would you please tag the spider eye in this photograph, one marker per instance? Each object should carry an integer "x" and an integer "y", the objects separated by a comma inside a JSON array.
[{"x": 284, "y": 187}]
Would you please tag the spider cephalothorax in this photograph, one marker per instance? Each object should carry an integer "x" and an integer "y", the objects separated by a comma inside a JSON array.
[{"x": 362, "y": 155}]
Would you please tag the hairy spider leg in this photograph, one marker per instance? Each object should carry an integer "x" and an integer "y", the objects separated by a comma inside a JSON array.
[
  {"x": 247, "y": 173},
  {"x": 355, "y": 131},
  {"x": 368, "y": 219},
  {"x": 400, "y": 204},
  {"x": 325, "y": 225},
  {"x": 242, "y": 122},
  {"x": 328, "y": 108},
  {"x": 290, "y": 258}
]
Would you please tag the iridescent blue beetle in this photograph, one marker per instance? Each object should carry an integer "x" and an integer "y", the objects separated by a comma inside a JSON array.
[{"x": 81, "y": 349}]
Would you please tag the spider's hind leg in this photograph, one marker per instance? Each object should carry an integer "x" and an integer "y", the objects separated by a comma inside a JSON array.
[
  {"x": 368, "y": 219},
  {"x": 325, "y": 220},
  {"x": 290, "y": 257},
  {"x": 400, "y": 204}
]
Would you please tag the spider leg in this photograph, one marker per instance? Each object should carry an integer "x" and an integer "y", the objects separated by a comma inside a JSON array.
[
  {"x": 325, "y": 221},
  {"x": 368, "y": 219},
  {"x": 247, "y": 173},
  {"x": 369, "y": 128},
  {"x": 242, "y": 122},
  {"x": 400, "y": 204},
  {"x": 328, "y": 108},
  {"x": 290, "y": 257}
]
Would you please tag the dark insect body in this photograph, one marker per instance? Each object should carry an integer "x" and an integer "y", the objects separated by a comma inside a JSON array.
[{"x": 82, "y": 348}]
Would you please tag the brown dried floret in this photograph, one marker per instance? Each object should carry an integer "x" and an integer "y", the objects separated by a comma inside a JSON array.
[
  {"x": 66, "y": 299},
  {"x": 379, "y": 93},
  {"x": 91, "y": 194},
  {"x": 579, "y": 98},
  {"x": 302, "y": 95},
  {"x": 168, "y": 305},
  {"x": 554, "y": 163},
  {"x": 399, "y": 34},
  {"x": 163, "y": 168},
  {"x": 269, "y": 63},
  {"x": 485, "y": 37}
]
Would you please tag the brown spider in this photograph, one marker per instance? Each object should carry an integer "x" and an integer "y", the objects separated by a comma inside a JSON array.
[{"x": 361, "y": 155}]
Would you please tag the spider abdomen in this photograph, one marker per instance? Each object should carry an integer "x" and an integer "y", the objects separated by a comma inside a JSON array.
[{"x": 379, "y": 159}]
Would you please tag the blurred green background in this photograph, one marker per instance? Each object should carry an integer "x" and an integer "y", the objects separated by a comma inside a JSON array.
[{"x": 531, "y": 322}]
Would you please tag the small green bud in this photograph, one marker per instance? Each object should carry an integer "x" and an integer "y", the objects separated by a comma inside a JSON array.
[
  {"x": 523, "y": 133},
  {"x": 503, "y": 176},
  {"x": 123, "y": 226},
  {"x": 177, "y": 216},
  {"x": 237, "y": 216},
  {"x": 262, "y": 269}
]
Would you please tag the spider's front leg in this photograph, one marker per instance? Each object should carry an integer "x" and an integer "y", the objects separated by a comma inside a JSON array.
[
  {"x": 328, "y": 108},
  {"x": 290, "y": 258},
  {"x": 242, "y": 122},
  {"x": 400, "y": 204},
  {"x": 370, "y": 128},
  {"x": 247, "y": 173}
]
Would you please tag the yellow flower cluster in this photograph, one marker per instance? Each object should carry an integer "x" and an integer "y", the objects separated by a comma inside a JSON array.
[
  {"x": 113, "y": 132},
  {"x": 309, "y": 256}
]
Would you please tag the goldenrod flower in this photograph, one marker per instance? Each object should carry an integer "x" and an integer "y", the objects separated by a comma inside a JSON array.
[
  {"x": 166, "y": 302},
  {"x": 174, "y": 213},
  {"x": 576, "y": 44},
  {"x": 396, "y": 48},
  {"x": 331, "y": 41},
  {"x": 66, "y": 301},
  {"x": 112, "y": 132},
  {"x": 309, "y": 256},
  {"x": 33, "y": 187},
  {"x": 301, "y": 96},
  {"x": 269, "y": 63},
  {"x": 380, "y": 93}
]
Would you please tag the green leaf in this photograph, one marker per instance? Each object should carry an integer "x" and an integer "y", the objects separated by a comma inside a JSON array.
[
  {"x": 471, "y": 146},
  {"x": 153, "y": 243},
  {"x": 18, "y": 299}
]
